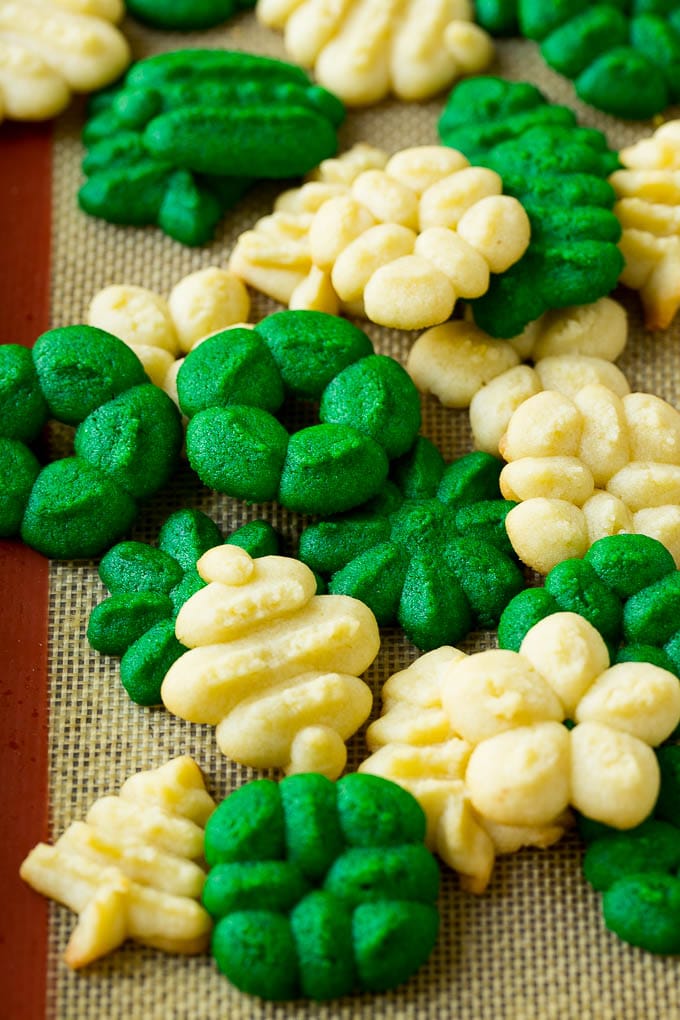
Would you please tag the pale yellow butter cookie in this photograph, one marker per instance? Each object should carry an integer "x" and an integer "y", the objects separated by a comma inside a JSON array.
[
  {"x": 52, "y": 48},
  {"x": 272, "y": 665},
  {"x": 133, "y": 868},
  {"x": 397, "y": 240},
  {"x": 364, "y": 49},
  {"x": 463, "y": 366},
  {"x": 648, "y": 208},
  {"x": 161, "y": 331},
  {"x": 588, "y": 465},
  {"x": 479, "y": 740}
]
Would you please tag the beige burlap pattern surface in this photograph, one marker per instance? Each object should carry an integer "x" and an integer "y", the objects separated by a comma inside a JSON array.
[{"x": 534, "y": 947}]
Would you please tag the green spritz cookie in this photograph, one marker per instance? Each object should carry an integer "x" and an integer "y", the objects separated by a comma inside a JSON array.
[
  {"x": 80, "y": 368},
  {"x": 558, "y": 171},
  {"x": 232, "y": 385},
  {"x": 626, "y": 586},
  {"x": 23, "y": 408},
  {"x": 183, "y": 136},
  {"x": 186, "y": 15},
  {"x": 19, "y": 470},
  {"x": 149, "y": 585},
  {"x": 622, "y": 55},
  {"x": 127, "y": 441},
  {"x": 320, "y": 889},
  {"x": 430, "y": 552}
]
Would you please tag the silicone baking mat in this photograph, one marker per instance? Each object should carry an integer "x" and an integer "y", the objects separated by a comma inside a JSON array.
[{"x": 534, "y": 946}]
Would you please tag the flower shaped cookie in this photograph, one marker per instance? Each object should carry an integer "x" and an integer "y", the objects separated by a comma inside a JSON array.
[
  {"x": 51, "y": 48},
  {"x": 364, "y": 49},
  {"x": 479, "y": 740},
  {"x": 396, "y": 240}
]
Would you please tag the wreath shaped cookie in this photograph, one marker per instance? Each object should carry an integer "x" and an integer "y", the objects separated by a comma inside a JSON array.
[
  {"x": 127, "y": 441},
  {"x": 232, "y": 384}
]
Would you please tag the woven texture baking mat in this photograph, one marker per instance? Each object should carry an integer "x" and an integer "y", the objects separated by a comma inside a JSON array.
[{"x": 534, "y": 947}]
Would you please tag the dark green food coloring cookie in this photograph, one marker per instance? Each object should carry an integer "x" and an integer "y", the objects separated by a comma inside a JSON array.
[
  {"x": 320, "y": 889},
  {"x": 183, "y": 136}
]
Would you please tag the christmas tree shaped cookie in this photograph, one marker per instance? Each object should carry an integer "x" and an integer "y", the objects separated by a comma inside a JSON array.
[
  {"x": 272, "y": 665},
  {"x": 130, "y": 869}
]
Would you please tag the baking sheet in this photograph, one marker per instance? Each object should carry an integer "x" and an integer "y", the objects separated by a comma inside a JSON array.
[{"x": 534, "y": 947}]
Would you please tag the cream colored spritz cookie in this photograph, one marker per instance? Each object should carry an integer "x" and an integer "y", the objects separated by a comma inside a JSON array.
[
  {"x": 272, "y": 665},
  {"x": 456, "y": 360},
  {"x": 161, "y": 331},
  {"x": 51, "y": 48},
  {"x": 397, "y": 240},
  {"x": 648, "y": 207},
  {"x": 588, "y": 465},
  {"x": 364, "y": 49},
  {"x": 479, "y": 740},
  {"x": 132, "y": 868},
  {"x": 493, "y": 404}
]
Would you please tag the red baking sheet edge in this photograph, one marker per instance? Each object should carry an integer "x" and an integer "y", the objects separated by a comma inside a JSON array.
[{"x": 25, "y": 229}]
